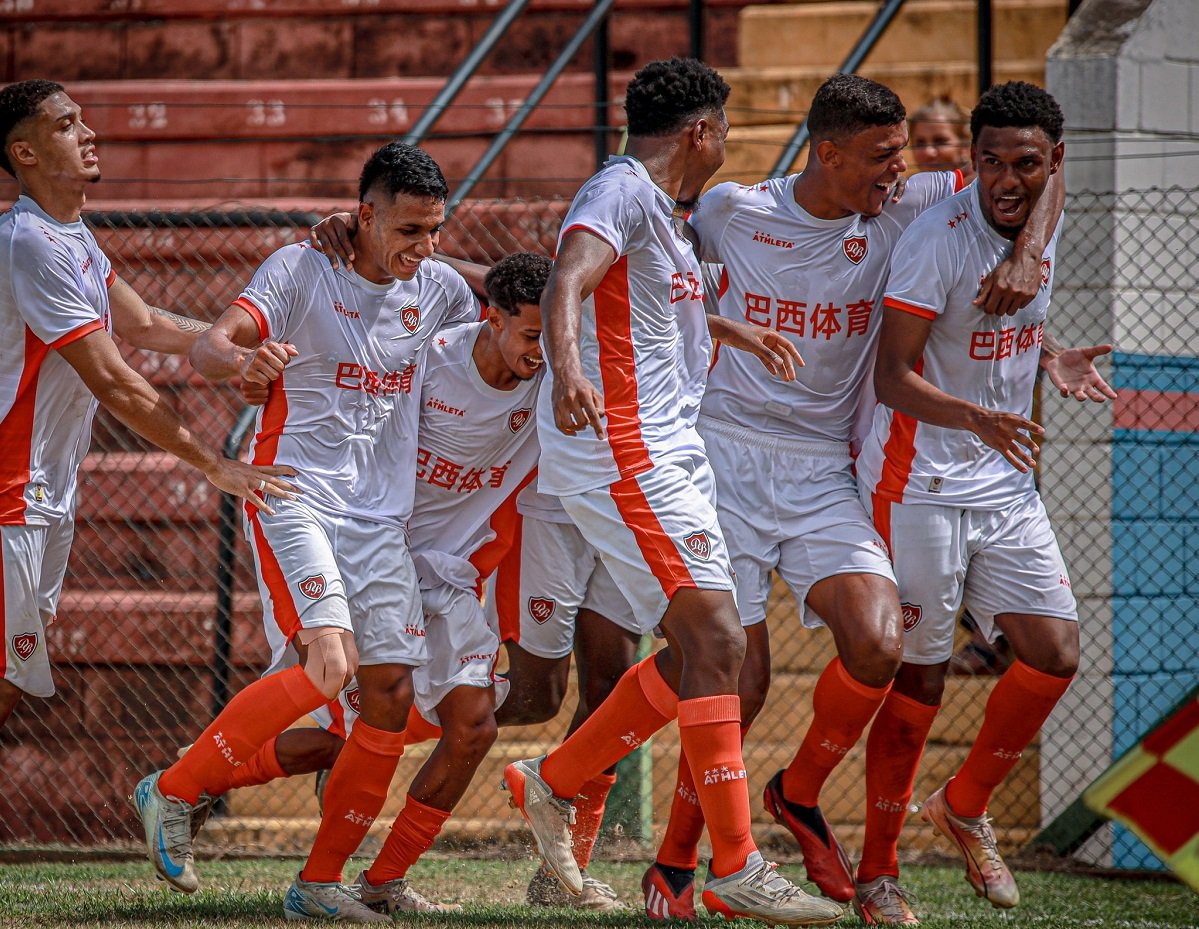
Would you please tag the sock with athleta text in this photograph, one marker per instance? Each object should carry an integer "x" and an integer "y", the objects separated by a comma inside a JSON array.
[
  {"x": 263, "y": 768},
  {"x": 640, "y": 704},
  {"x": 842, "y": 707},
  {"x": 258, "y": 713},
  {"x": 710, "y": 734},
  {"x": 420, "y": 729},
  {"x": 1021, "y": 701},
  {"x": 589, "y": 814},
  {"x": 411, "y": 835},
  {"x": 893, "y": 751},
  {"x": 353, "y": 798}
]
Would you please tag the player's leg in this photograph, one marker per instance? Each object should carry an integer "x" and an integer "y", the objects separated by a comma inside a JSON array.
[{"x": 32, "y": 566}]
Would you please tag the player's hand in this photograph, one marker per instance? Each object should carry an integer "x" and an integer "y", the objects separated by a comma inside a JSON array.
[
  {"x": 253, "y": 482},
  {"x": 1010, "y": 434},
  {"x": 253, "y": 393},
  {"x": 1073, "y": 373},
  {"x": 901, "y": 184},
  {"x": 1011, "y": 286},
  {"x": 266, "y": 363},
  {"x": 331, "y": 236},
  {"x": 776, "y": 352},
  {"x": 577, "y": 405}
]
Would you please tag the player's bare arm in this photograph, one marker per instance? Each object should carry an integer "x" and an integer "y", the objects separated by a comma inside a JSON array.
[
  {"x": 1016, "y": 280},
  {"x": 131, "y": 399},
  {"x": 583, "y": 260},
  {"x": 776, "y": 352},
  {"x": 901, "y": 343},
  {"x": 149, "y": 327},
  {"x": 232, "y": 348},
  {"x": 1073, "y": 371}
]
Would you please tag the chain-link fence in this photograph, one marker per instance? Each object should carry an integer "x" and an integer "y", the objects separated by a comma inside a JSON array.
[{"x": 143, "y": 653}]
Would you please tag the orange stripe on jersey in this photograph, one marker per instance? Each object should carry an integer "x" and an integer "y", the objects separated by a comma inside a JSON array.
[
  {"x": 613, "y": 328},
  {"x": 921, "y": 311},
  {"x": 723, "y": 287},
  {"x": 657, "y": 548},
  {"x": 504, "y": 524},
  {"x": 882, "y": 519},
  {"x": 16, "y": 434},
  {"x": 111, "y": 279},
  {"x": 959, "y": 180},
  {"x": 264, "y": 331},
  {"x": 274, "y": 418},
  {"x": 899, "y": 452},
  {"x": 580, "y": 227},
  {"x": 507, "y": 587},
  {"x": 75, "y": 334},
  {"x": 283, "y": 605}
]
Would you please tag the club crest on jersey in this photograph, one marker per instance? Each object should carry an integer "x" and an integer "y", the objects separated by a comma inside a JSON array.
[
  {"x": 911, "y": 615},
  {"x": 541, "y": 608},
  {"x": 24, "y": 645},
  {"x": 854, "y": 247},
  {"x": 313, "y": 586},
  {"x": 518, "y": 418},
  {"x": 1046, "y": 270},
  {"x": 699, "y": 545},
  {"x": 410, "y": 317},
  {"x": 354, "y": 700}
]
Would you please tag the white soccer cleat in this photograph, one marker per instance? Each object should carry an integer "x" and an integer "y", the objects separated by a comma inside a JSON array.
[
  {"x": 333, "y": 901},
  {"x": 598, "y": 897},
  {"x": 168, "y": 825},
  {"x": 549, "y": 817},
  {"x": 882, "y": 902},
  {"x": 758, "y": 891},
  {"x": 398, "y": 896},
  {"x": 975, "y": 840}
]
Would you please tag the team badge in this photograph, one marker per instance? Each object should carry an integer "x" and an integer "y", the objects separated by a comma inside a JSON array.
[
  {"x": 354, "y": 700},
  {"x": 911, "y": 616},
  {"x": 541, "y": 609},
  {"x": 1046, "y": 269},
  {"x": 697, "y": 543},
  {"x": 313, "y": 586},
  {"x": 854, "y": 247},
  {"x": 410, "y": 317},
  {"x": 518, "y": 418},
  {"x": 24, "y": 645}
]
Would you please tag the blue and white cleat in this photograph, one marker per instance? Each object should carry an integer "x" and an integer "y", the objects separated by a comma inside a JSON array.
[
  {"x": 333, "y": 900},
  {"x": 168, "y": 825}
]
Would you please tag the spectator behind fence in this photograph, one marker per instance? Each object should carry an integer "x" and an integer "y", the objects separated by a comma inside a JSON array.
[{"x": 939, "y": 137}]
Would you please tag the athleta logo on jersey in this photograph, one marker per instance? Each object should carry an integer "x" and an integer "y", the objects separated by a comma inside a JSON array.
[
  {"x": 24, "y": 645},
  {"x": 699, "y": 545},
  {"x": 541, "y": 608},
  {"x": 518, "y": 418},
  {"x": 354, "y": 700},
  {"x": 767, "y": 239},
  {"x": 855, "y": 247},
  {"x": 313, "y": 586},
  {"x": 911, "y": 615},
  {"x": 410, "y": 317}
]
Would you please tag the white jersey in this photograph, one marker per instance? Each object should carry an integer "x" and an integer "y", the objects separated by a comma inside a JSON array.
[
  {"x": 344, "y": 413},
  {"x": 478, "y": 447},
  {"x": 988, "y": 360},
  {"x": 642, "y": 331},
  {"x": 819, "y": 282},
  {"x": 54, "y": 284}
]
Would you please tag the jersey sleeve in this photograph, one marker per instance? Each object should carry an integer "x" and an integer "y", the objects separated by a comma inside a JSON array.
[
  {"x": 711, "y": 217},
  {"x": 464, "y": 306},
  {"x": 923, "y": 190},
  {"x": 271, "y": 294},
  {"x": 46, "y": 286},
  {"x": 606, "y": 209},
  {"x": 923, "y": 269}
]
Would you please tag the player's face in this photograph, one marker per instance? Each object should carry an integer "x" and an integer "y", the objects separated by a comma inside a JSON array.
[
  {"x": 867, "y": 166},
  {"x": 708, "y": 137},
  {"x": 401, "y": 232},
  {"x": 63, "y": 145},
  {"x": 1014, "y": 164},
  {"x": 519, "y": 339},
  {"x": 938, "y": 145}
]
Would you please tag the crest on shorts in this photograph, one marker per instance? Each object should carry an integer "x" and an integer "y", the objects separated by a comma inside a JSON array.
[
  {"x": 24, "y": 645},
  {"x": 541, "y": 608},
  {"x": 518, "y": 418},
  {"x": 410, "y": 317},
  {"x": 313, "y": 586},
  {"x": 911, "y": 615},
  {"x": 854, "y": 247},
  {"x": 1046, "y": 270},
  {"x": 354, "y": 700},
  {"x": 699, "y": 545}
]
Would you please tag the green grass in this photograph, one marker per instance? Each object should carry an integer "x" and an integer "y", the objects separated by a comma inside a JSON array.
[{"x": 248, "y": 894}]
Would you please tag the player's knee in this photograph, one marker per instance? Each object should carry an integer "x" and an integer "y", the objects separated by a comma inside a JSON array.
[
  {"x": 530, "y": 708},
  {"x": 471, "y": 739},
  {"x": 922, "y": 683},
  {"x": 875, "y": 666},
  {"x": 331, "y": 661}
]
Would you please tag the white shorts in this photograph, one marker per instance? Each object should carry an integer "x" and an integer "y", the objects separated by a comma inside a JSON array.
[
  {"x": 994, "y": 561},
  {"x": 789, "y": 505},
  {"x": 315, "y": 569},
  {"x": 33, "y": 560},
  {"x": 656, "y": 532},
  {"x": 550, "y": 574}
]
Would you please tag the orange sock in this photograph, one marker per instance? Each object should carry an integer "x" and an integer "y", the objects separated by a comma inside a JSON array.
[
  {"x": 843, "y": 707},
  {"x": 263, "y": 768},
  {"x": 710, "y": 733},
  {"x": 419, "y": 729},
  {"x": 257, "y": 713},
  {"x": 353, "y": 798},
  {"x": 893, "y": 751},
  {"x": 640, "y": 704},
  {"x": 589, "y": 814},
  {"x": 1021, "y": 701},
  {"x": 410, "y": 837}
]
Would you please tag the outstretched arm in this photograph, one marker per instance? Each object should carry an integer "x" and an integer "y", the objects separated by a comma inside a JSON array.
[
  {"x": 776, "y": 352},
  {"x": 1073, "y": 370},
  {"x": 149, "y": 327}
]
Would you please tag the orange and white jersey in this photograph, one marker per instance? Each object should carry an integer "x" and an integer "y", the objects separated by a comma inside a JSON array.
[
  {"x": 642, "y": 331},
  {"x": 478, "y": 448},
  {"x": 988, "y": 360},
  {"x": 344, "y": 413},
  {"x": 819, "y": 282},
  {"x": 54, "y": 284}
]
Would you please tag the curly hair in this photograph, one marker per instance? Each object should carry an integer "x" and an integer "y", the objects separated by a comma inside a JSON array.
[
  {"x": 18, "y": 102},
  {"x": 1018, "y": 103},
  {"x": 666, "y": 95},
  {"x": 516, "y": 280},
  {"x": 403, "y": 169},
  {"x": 846, "y": 104}
]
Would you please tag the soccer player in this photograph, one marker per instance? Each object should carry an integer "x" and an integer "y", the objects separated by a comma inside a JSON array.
[
  {"x": 806, "y": 256},
  {"x": 947, "y": 469},
  {"x": 60, "y": 305},
  {"x": 627, "y": 343},
  {"x": 340, "y": 351}
]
